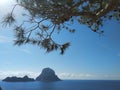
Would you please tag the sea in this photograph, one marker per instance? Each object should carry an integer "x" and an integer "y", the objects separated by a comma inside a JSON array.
[{"x": 63, "y": 85}]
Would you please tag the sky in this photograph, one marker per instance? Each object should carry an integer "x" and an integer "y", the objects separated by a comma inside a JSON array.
[{"x": 90, "y": 56}]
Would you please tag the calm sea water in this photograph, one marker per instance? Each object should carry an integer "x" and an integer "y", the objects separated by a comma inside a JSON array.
[{"x": 63, "y": 85}]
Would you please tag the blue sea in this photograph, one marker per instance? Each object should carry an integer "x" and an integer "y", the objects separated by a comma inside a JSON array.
[{"x": 63, "y": 85}]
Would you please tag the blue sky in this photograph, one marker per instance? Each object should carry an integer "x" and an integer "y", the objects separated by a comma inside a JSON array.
[{"x": 89, "y": 56}]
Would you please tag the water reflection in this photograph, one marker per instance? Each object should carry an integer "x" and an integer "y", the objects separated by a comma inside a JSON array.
[
  {"x": 63, "y": 85},
  {"x": 47, "y": 86}
]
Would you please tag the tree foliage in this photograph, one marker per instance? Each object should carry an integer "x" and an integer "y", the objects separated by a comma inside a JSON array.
[{"x": 47, "y": 16}]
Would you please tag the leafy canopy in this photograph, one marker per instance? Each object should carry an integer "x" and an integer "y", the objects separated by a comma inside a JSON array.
[{"x": 47, "y": 16}]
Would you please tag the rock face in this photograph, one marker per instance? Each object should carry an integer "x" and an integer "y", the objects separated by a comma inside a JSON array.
[
  {"x": 47, "y": 75},
  {"x": 18, "y": 79},
  {"x": 0, "y": 88}
]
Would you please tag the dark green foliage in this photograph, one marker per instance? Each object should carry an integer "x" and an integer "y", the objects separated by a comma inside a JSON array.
[
  {"x": 59, "y": 15},
  {"x": 64, "y": 47},
  {"x": 8, "y": 20}
]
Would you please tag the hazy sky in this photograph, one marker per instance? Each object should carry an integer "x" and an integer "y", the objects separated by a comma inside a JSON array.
[{"x": 89, "y": 56}]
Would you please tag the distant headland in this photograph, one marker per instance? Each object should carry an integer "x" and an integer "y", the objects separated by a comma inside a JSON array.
[
  {"x": 18, "y": 79},
  {"x": 47, "y": 75}
]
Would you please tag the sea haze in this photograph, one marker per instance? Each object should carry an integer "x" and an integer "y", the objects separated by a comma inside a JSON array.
[{"x": 63, "y": 85}]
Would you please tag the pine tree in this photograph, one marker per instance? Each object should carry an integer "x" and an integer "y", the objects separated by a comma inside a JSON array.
[{"x": 57, "y": 13}]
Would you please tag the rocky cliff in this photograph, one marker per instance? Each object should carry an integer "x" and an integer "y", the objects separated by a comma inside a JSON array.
[{"x": 47, "y": 75}]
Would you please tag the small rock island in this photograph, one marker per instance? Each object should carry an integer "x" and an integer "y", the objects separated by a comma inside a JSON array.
[
  {"x": 18, "y": 79},
  {"x": 47, "y": 75}
]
